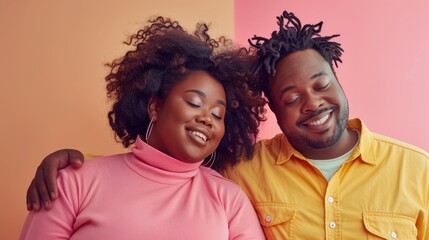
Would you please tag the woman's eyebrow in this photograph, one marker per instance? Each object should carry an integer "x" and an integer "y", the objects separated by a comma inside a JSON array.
[{"x": 202, "y": 94}]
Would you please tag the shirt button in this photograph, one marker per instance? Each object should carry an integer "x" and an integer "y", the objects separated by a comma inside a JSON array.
[
  {"x": 332, "y": 225},
  {"x": 268, "y": 219},
  {"x": 393, "y": 235},
  {"x": 330, "y": 199}
]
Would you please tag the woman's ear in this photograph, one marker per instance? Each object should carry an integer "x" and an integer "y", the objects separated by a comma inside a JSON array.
[{"x": 153, "y": 107}]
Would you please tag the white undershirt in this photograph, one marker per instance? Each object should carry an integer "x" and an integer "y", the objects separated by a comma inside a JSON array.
[{"x": 329, "y": 166}]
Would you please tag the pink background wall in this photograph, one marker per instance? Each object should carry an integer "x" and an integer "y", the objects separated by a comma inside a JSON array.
[{"x": 385, "y": 70}]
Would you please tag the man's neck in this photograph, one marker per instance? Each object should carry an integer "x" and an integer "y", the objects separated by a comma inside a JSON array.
[{"x": 347, "y": 141}]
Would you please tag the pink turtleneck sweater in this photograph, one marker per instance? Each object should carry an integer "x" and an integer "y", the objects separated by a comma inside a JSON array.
[{"x": 144, "y": 195}]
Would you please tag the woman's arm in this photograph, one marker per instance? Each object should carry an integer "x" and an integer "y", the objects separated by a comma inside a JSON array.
[
  {"x": 58, "y": 222},
  {"x": 243, "y": 221}
]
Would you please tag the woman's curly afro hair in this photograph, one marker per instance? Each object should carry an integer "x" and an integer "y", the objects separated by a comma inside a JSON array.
[{"x": 163, "y": 54}]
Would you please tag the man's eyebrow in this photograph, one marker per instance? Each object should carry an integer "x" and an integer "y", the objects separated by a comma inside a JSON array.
[
  {"x": 314, "y": 76},
  {"x": 318, "y": 75},
  {"x": 202, "y": 94},
  {"x": 284, "y": 90}
]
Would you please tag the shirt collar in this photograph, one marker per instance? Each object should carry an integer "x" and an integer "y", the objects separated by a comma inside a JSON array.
[{"x": 365, "y": 147}]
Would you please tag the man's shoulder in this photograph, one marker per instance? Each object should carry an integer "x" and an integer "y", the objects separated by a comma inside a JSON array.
[
  {"x": 270, "y": 146},
  {"x": 381, "y": 141},
  {"x": 375, "y": 143},
  {"x": 270, "y": 142},
  {"x": 266, "y": 153}
]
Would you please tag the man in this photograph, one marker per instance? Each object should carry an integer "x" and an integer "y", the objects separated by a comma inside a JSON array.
[{"x": 326, "y": 177}]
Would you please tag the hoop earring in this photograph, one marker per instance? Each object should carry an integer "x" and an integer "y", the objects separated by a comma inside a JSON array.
[
  {"x": 211, "y": 160},
  {"x": 149, "y": 130}
]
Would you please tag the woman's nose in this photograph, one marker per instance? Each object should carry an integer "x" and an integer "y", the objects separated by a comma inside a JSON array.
[{"x": 205, "y": 118}]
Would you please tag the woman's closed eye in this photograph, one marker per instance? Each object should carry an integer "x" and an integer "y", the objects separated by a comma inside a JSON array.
[
  {"x": 194, "y": 104},
  {"x": 215, "y": 113},
  {"x": 217, "y": 116}
]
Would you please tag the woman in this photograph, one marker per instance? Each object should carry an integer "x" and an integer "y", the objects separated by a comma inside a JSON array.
[{"x": 180, "y": 98}]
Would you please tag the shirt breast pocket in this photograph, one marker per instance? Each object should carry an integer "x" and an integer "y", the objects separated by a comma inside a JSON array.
[
  {"x": 277, "y": 219},
  {"x": 389, "y": 226}
]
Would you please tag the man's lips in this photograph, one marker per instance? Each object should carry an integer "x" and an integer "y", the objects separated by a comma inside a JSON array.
[
  {"x": 317, "y": 118},
  {"x": 320, "y": 121}
]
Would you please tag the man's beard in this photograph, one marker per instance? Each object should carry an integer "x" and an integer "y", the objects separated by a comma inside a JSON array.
[{"x": 303, "y": 142}]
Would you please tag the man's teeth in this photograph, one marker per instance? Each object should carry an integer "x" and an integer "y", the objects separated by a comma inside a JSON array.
[
  {"x": 200, "y": 135},
  {"x": 320, "y": 121}
]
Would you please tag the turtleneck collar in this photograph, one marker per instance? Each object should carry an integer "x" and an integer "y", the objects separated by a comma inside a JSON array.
[{"x": 157, "y": 166}]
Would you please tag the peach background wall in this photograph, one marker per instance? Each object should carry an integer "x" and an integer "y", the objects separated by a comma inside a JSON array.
[
  {"x": 52, "y": 79},
  {"x": 385, "y": 61},
  {"x": 52, "y": 55}
]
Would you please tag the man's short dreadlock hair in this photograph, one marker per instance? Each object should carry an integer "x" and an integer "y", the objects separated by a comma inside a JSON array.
[{"x": 291, "y": 37}]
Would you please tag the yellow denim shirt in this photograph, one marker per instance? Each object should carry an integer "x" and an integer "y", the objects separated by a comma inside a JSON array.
[{"x": 380, "y": 192}]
